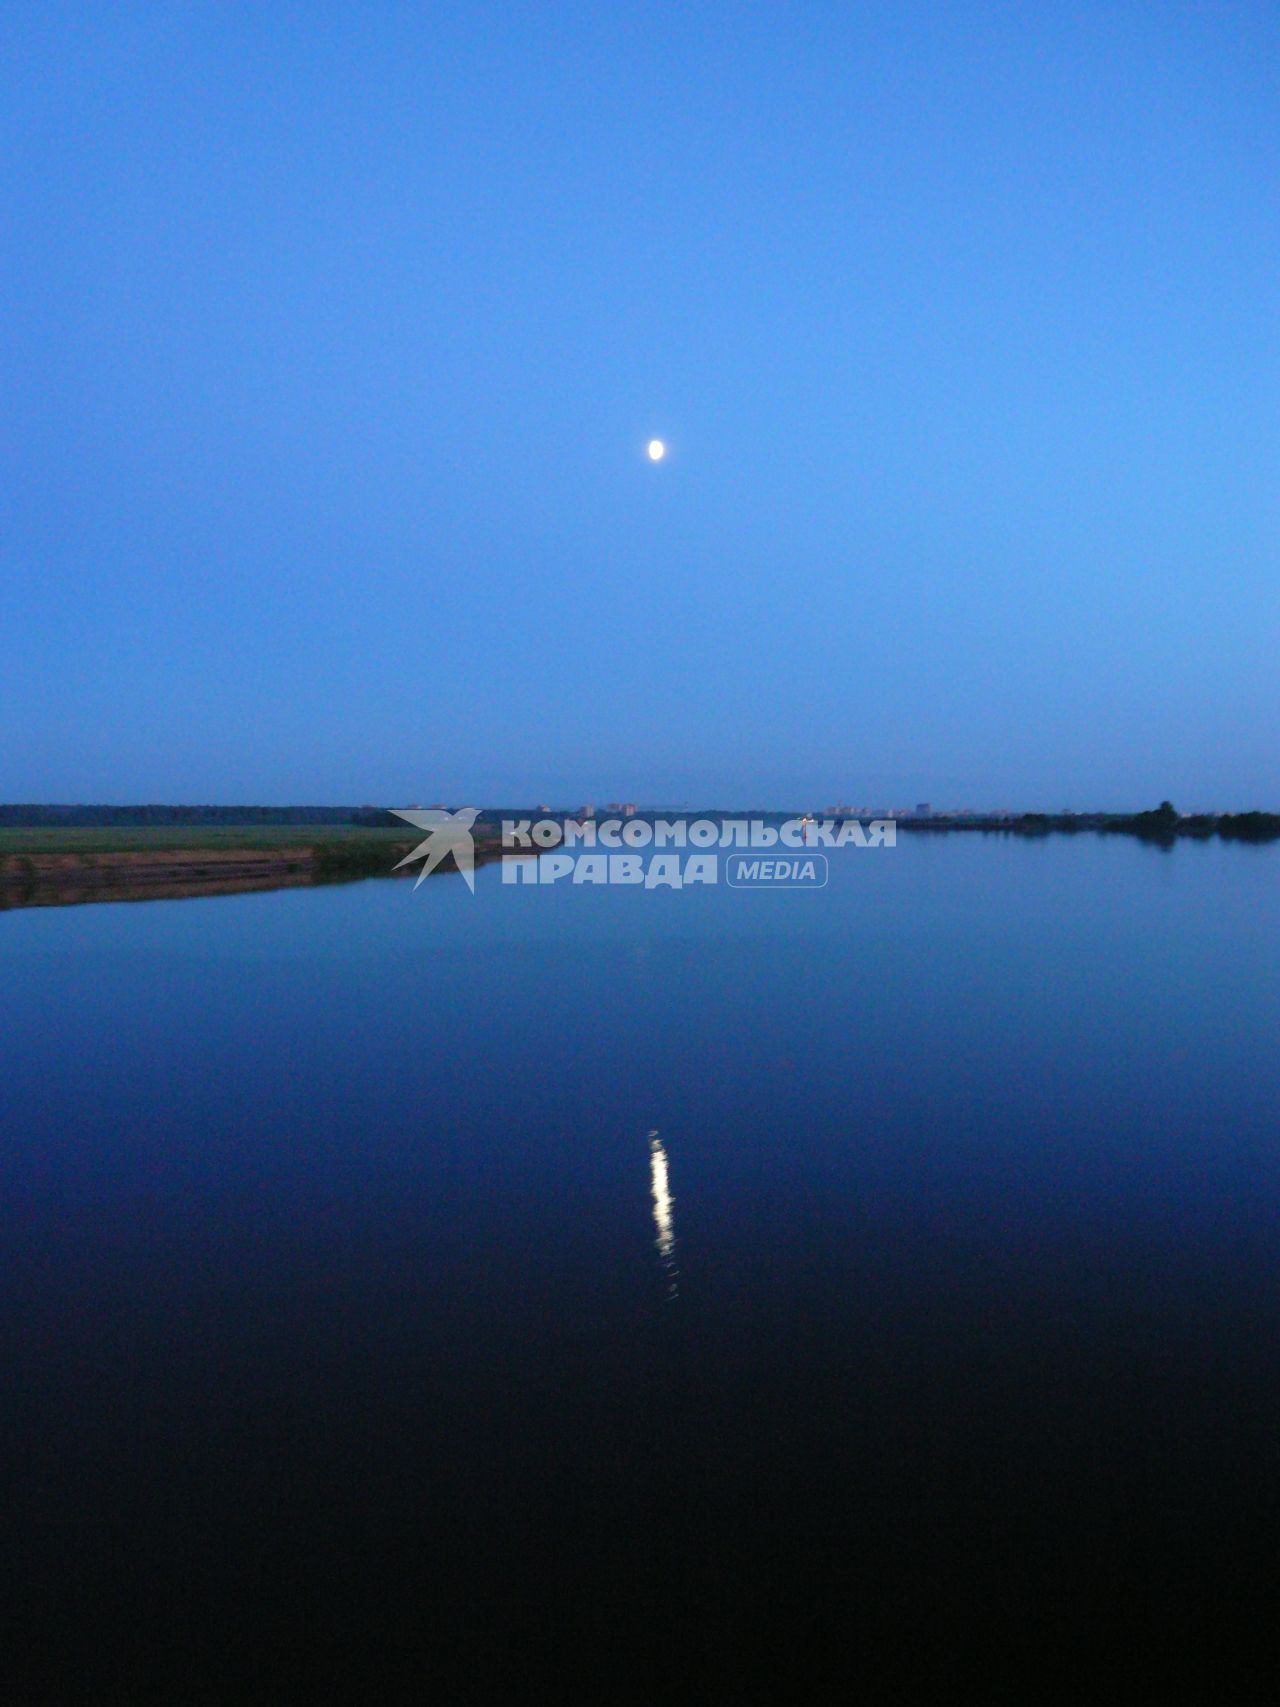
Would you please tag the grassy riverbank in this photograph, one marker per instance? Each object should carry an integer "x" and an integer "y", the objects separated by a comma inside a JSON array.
[{"x": 41, "y": 866}]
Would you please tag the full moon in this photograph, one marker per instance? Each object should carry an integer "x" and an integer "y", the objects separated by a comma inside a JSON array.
[{"x": 657, "y": 450}]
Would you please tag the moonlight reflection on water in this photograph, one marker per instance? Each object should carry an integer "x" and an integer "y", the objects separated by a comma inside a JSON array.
[{"x": 659, "y": 1185}]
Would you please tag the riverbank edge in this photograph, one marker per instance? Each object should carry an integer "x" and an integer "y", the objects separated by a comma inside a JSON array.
[{"x": 53, "y": 876}]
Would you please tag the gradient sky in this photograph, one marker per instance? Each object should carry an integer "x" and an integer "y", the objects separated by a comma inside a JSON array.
[{"x": 332, "y": 337}]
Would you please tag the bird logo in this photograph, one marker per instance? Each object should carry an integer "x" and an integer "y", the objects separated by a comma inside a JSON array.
[{"x": 448, "y": 833}]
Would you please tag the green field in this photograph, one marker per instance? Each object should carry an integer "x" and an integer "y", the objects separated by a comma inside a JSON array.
[{"x": 157, "y": 838}]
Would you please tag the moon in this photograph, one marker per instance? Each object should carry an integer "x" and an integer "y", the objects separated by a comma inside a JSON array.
[{"x": 657, "y": 450}]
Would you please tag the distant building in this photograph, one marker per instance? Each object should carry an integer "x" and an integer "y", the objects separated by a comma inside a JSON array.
[
  {"x": 629, "y": 810},
  {"x": 588, "y": 811},
  {"x": 923, "y": 809}
]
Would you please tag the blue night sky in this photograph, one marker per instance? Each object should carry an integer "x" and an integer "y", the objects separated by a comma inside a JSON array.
[{"x": 333, "y": 335}]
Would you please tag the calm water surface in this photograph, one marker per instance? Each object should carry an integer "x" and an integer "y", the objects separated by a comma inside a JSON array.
[{"x": 665, "y": 1290}]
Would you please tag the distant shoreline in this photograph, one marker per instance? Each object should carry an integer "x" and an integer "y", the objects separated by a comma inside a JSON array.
[
  {"x": 62, "y": 863},
  {"x": 342, "y": 830},
  {"x": 1156, "y": 826}
]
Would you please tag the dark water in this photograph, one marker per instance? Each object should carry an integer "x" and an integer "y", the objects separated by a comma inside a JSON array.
[{"x": 337, "y": 1340}]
